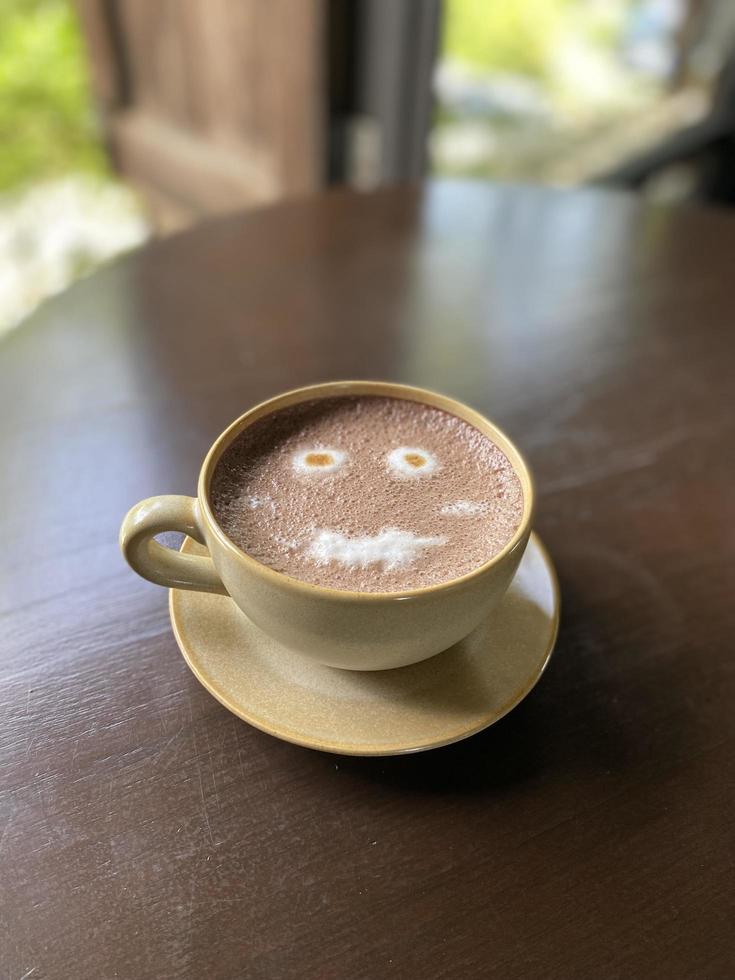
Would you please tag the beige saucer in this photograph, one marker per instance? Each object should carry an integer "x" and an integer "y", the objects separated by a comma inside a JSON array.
[{"x": 389, "y": 712}]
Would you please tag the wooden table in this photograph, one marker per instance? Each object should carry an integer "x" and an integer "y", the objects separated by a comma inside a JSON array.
[{"x": 147, "y": 833}]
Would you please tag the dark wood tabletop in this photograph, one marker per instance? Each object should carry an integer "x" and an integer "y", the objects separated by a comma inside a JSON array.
[{"x": 147, "y": 833}]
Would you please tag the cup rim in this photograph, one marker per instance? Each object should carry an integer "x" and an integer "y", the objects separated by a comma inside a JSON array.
[{"x": 387, "y": 389}]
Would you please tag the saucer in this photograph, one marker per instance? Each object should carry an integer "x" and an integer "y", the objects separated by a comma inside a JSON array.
[{"x": 410, "y": 709}]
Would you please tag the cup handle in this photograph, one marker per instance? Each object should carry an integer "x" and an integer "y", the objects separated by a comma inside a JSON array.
[{"x": 162, "y": 565}]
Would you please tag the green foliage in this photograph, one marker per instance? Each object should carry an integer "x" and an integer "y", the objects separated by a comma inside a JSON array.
[
  {"x": 47, "y": 125},
  {"x": 504, "y": 35}
]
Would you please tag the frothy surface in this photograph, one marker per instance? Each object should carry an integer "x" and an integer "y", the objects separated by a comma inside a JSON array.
[{"x": 367, "y": 493}]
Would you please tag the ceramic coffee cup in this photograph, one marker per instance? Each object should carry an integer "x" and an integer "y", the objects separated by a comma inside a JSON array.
[{"x": 352, "y": 630}]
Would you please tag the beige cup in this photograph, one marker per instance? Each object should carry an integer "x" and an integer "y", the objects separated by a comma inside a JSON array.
[{"x": 353, "y": 630}]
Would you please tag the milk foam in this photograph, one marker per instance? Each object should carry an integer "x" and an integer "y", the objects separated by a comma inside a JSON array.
[
  {"x": 412, "y": 462},
  {"x": 330, "y": 460},
  {"x": 255, "y": 502},
  {"x": 392, "y": 548},
  {"x": 396, "y": 496},
  {"x": 465, "y": 508}
]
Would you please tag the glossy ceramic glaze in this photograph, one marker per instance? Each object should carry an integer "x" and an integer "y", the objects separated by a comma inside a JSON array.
[{"x": 353, "y": 630}]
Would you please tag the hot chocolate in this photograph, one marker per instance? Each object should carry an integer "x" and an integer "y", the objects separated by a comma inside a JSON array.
[{"x": 367, "y": 493}]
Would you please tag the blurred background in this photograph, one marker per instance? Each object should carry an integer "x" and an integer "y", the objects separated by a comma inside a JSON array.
[{"x": 125, "y": 119}]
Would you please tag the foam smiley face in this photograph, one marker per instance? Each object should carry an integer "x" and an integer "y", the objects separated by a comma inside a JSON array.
[{"x": 367, "y": 494}]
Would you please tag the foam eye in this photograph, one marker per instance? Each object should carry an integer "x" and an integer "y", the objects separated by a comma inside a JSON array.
[
  {"x": 412, "y": 462},
  {"x": 318, "y": 460}
]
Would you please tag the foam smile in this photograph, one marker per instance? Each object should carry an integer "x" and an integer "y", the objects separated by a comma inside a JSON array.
[{"x": 391, "y": 547}]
